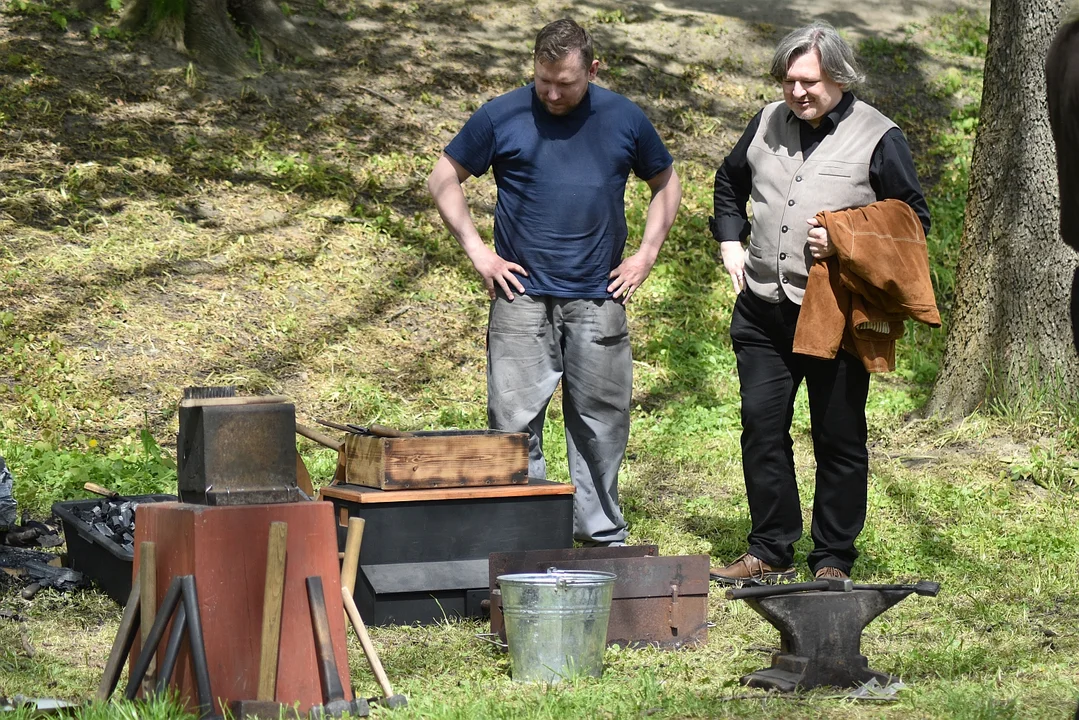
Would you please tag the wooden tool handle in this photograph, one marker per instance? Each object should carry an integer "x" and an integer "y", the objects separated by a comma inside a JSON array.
[
  {"x": 249, "y": 400},
  {"x": 98, "y": 490},
  {"x": 148, "y": 595},
  {"x": 365, "y": 641},
  {"x": 350, "y": 563},
  {"x": 271, "y": 610},
  {"x": 318, "y": 437}
]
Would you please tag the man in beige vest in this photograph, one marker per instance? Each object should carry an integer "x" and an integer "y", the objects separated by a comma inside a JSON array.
[{"x": 820, "y": 149}]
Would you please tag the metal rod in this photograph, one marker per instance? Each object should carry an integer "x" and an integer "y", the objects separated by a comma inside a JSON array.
[
  {"x": 198, "y": 647},
  {"x": 336, "y": 426},
  {"x": 121, "y": 646},
  {"x": 168, "y": 605},
  {"x": 172, "y": 649},
  {"x": 759, "y": 591},
  {"x": 922, "y": 587}
]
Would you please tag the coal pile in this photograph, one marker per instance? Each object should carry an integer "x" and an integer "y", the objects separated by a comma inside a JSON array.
[{"x": 111, "y": 519}]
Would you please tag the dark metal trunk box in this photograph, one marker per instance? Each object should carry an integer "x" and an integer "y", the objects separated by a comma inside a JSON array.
[
  {"x": 424, "y": 552},
  {"x": 658, "y": 601},
  {"x": 94, "y": 555}
]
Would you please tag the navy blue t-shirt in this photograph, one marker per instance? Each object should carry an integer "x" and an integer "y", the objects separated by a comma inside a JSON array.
[{"x": 561, "y": 183}]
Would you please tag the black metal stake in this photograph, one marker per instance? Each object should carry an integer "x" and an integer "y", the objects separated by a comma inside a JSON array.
[
  {"x": 168, "y": 605},
  {"x": 172, "y": 649},
  {"x": 198, "y": 647}
]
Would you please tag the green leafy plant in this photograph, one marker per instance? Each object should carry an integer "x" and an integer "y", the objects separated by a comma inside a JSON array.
[{"x": 46, "y": 474}]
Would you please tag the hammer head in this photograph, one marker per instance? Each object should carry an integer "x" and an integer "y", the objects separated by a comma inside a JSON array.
[
  {"x": 927, "y": 587},
  {"x": 839, "y": 584},
  {"x": 337, "y": 708},
  {"x": 392, "y": 702}
]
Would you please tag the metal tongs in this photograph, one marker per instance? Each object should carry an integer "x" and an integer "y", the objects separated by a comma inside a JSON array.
[{"x": 376, "y": 430}]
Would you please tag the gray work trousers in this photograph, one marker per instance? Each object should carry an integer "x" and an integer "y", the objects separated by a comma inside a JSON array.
[{"x": 532, "y": 343}]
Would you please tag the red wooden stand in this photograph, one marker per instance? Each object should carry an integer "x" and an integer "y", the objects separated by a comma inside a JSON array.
[{"x": 225, "y": 549}]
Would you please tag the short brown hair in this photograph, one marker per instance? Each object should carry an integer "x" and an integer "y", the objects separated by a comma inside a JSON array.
[{"x": 559, "y": 39}]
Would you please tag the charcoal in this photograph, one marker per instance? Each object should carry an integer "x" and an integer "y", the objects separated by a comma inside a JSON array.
[
  {"x": 47, "y": 541},
  {"x": 111, "y": 519},
  {"x": 59, "y": 578}
]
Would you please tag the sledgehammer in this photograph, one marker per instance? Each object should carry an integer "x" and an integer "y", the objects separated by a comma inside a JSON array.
[{"x": 333, "y": 693}]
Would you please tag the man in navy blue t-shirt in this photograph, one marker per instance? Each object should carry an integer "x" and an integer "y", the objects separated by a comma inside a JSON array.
[{"x": 562, "y": 150}]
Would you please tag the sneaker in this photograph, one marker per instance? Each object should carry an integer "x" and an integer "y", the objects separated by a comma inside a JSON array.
[
  {"x": 750, "y": 569},
  {"x": 830, "y": 572}
]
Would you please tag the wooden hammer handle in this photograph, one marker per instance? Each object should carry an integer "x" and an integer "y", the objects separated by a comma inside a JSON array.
[
  {"x": 365, "y": 641},
  {"x": 318, "y": 437},
  {"x": 98, "y": 490},
  {"x": 272, "y": 596},
  {"x": 351, "y": 562}
]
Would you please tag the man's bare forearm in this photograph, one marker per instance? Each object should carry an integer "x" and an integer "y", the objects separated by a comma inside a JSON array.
[
  {"x": 662, "y": 210},
  {"x": 445, "y": 187}
]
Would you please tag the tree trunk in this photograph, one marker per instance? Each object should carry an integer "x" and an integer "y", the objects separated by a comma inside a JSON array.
[
  {"x": 210, "y": 37},
  {"x": 1009, "y": 330},
  {"x": 207, "y": 30}
]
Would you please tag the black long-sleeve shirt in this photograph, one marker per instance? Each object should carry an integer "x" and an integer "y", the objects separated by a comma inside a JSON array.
[{"x": 891, "y": 173}]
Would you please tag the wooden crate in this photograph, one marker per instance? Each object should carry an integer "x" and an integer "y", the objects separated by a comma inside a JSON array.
[
  {"x": 658, "y": 601},
  {"x": 437, "y": 459}
]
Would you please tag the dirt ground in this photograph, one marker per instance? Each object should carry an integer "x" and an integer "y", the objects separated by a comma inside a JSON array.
[{"x": 100, "y": 128}]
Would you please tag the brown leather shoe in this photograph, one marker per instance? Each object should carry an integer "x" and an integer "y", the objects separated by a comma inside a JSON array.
[
  {"x": 830, "y": 572},
  {"x": 750, "y": 569}
]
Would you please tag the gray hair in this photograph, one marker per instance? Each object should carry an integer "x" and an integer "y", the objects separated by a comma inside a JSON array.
[{"x": 836, "y": 56}]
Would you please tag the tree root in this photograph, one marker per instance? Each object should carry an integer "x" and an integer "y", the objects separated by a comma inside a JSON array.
[{"x": 265, "y": 19}]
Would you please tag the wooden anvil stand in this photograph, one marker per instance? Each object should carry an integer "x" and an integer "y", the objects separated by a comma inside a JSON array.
[{"x": 225, "y": 549}]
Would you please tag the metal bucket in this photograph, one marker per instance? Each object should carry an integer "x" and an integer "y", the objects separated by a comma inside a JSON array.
[{"x": 556, "y": 623}]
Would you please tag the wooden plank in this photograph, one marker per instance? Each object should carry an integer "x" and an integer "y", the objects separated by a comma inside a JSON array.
[
  {"x": 437, "y": 460},
  {"x": 529, "y": 561},
  {"x": 365, "y": 495},
  {"x": 148, "y": 599},
  {"x": 271, "y": 610},
  {"x": 364, "y": 461}
]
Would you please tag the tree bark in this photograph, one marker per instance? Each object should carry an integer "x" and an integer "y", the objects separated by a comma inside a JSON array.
[
  {"x": 1009, "y": 330},
  {"x": 207, "y": 30}
]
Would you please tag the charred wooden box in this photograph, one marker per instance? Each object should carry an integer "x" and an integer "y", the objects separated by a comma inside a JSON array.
[
  {"x": 658, "y": 601},
  {"x": 437, "y": 459},
  {"x": 425, "y": 553}
]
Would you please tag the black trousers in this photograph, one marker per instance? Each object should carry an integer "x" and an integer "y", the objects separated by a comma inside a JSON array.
[{"x": 770, "y": 373}]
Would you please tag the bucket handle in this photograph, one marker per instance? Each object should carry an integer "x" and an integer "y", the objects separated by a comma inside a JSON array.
[{"x": 560, "y": 583}]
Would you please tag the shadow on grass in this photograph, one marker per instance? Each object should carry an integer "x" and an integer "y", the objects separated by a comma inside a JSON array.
[{"x": 369, "y": 97}]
